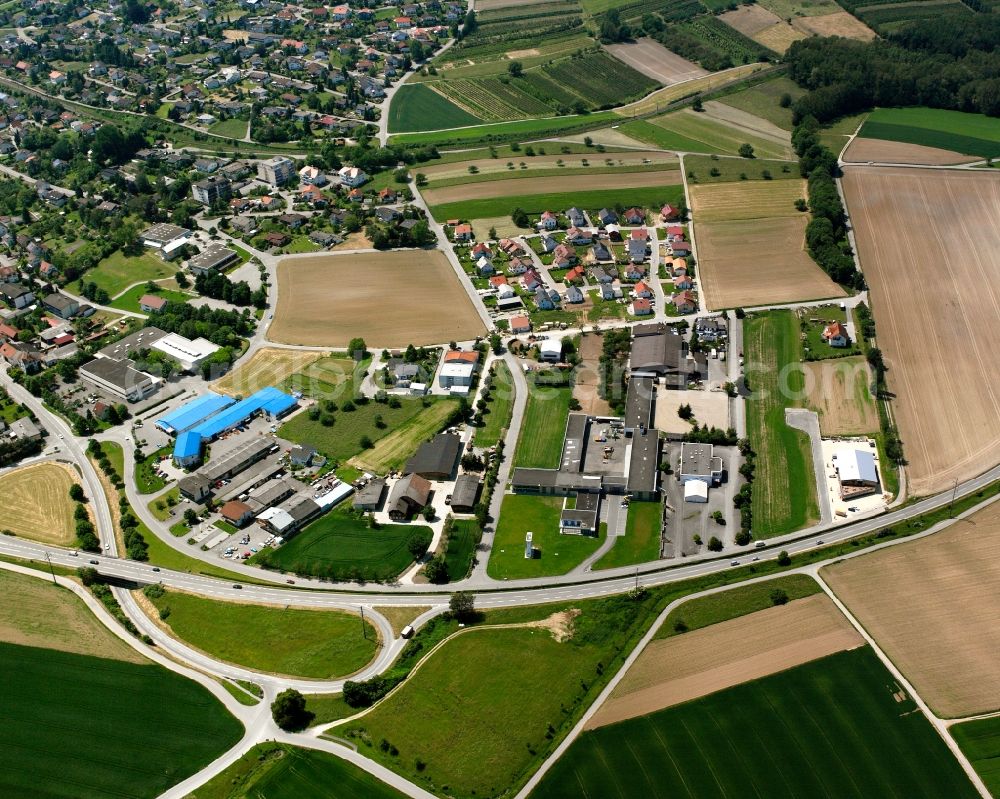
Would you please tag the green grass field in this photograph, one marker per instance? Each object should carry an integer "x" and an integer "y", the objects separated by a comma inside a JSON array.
[
  {"x": 498, "y": 409},
  {"x": 536, "y": 203},
  {"x": 506, "y": 131},
  {"x": 234, "y": 128},
  {"x": 416, "y": 107},
  {"x": 462, "y": 541},
  {"x": 555, "y": 553},
  {"x": 828, "y": 728},
  {"x": 392, "y": 451},
  {"x": 667, "y": 139},
  {"x": 540, "y": 443},
  {"x": 731, "y": 170},
  {"x": 716, "y": 136},
  {"x": 714, "y": 608},
  {"x": 971, "y": 134},
  {"x": 81, "y": 727},
  {"x": 278, "y": 771},
  {"x": 118, "y": 271},
  {"x": 129, "y": 301},
  {"x": 339, "y": 546},
  {"x": 980, "y": 741},
  {"x": 784, "y": 488},
  {"x": 764, "y": 100},
  {"x": 641, "y": 542},
  {"x": 292, "y": 641}
]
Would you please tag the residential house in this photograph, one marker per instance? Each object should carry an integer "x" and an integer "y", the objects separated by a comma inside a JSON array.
[
  {"x": 640, "y": 289},
  {"x": 577, "y": 235},
  {"x": 674, "y": 232},
  {"x": 600, "y": 275},
  {"x": 680, "y": 248},
  {"x": 312, "y": 176},
  {"x": 574, "y": 295},
  {"x": 511, "y": 248},
  {"x": 546, "y": 300},
  {"x": 640, "y": 307},
  {"x": 518, "y": 266},
  {"x": 685, "y": 302},
  {"x": 150, "y": 303},
  {"x": 607, "y": 217},
  {"x": 614, "y": 232},
  {"x": 576, "y": 217},
  {"x": 636, "y": 251},
  {"x": 485, "y": 266},
  {"x": 520, "y": 324},
  {"x": 835, "y": 334},
  {"x": 635, "y": 216},
  {"x": 463, "y": 232},
  {"x": 611, "y": 291},
  {"x": 574, "y": 274},
  {"x": 549, "y": 243},
  {"x": 277, "y": 239},
  {"x": 600, "y": 252},
  {"x": 563, "y": 257},
  {"x": 668, "y": 213},
  {"x": 548, "y": 221},
  {"x": 236, "y": 513},
  {"x": 682, "y": 282},
  {"x": 17, "y": 295},
  {"x": 352, "y": 176},
  {"x": 531, "y": 280}
]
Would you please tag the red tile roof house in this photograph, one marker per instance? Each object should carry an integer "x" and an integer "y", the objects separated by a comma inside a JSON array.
[
  {"x": 482, "y": 248},
  {"x": 549, "y": 221},
  {"x": 463, "y": 232},
  {"x": 236, "y": 513},
  {"x": 7, "y": 332},
  {"x": 675, "y": 232},
  {"x": 511, "y": 247},
  {"x": 669, "y": 212},
  {"x": 531, "y": 280},
  {"x": 496, "y": 281},
  {"x": 276, "y": 239},
  {"x": 150, "y": 303},
  {"x": 518, "y": 266},
  {"x": 520, "y": 324},
  {"x": 635, "y": 216},
  {"x": 461, "y": 356},
  {"x": 682, "y": 282},
  {"x": 642, "y": 290},
  {"x": 640, "y": 234},
  {"x": 563, "y": 256},
  {"x": 680, "y": 248},
  {"x": 641, "y": 307},
  {"x": 575, "y": 274},
  {"x": 685, "y": 302},
  {"x": 835, "y": 335}
]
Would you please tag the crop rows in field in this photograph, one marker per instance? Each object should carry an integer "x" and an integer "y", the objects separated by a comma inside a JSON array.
[
  {"x": 553, "y": 9},
  {"x": 711, "y": 43},
  {"x": 668, "y": 10},
  {"x": 540, "y": 84},
  {"x": 607, "y": 81},
  {"x": 858, "y": 6},
  {"x": 491, "y": 100},
  {"x": 518, "y": 34},
  {"x": 893, "y": 16}
]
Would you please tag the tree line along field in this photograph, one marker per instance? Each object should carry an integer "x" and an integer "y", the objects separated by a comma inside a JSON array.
[
  {"x": 316, "y": 644},
  {"x": 340, "y": 546},
  {"x": 832, "y": 727},
  {"x": 83, "y": 726},
  {"x": 956, "y": 131}
]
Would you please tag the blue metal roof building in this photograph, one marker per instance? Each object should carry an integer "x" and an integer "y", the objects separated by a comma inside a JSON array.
[
  {"x": 194, "y": 412},
  {"x": 187, "y": 448},
  {"x": 269, "y": 400}
]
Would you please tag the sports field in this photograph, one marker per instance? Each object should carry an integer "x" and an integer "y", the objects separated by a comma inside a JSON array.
[
  {"x": 555, "y": 553},
  {"x": 279, "y": 771},
  {"x": 651, "y": 58},
  {"x": 751, "y": 245},
  {"x": 933, "y": 605},
  {"x": 681, "y": 668},
  {"x": 268, "y": 366},
  {"x": 320, "y": 644},
  {"x": 834, "y": 727},
  {"x": 36, "y": 503},
  {"x": 339, "y": 546},
  {"x": 957, "y": 131},
  {"x": 862, "y": 150},
  {"x": 947, "y": 404},
  {"x": 77, "y": 726},
  {"x": 392, "y": 299},
  {"x": 540, "y": 442},
  {"x": 784, "y": 488},
  {"x": 37, "y": 613},
  {"x": 838, "y": 390},
  {"x": 418, "y": 107}
]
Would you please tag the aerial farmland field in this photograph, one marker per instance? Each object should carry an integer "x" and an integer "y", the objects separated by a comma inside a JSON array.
[
  {"x": 36, "y": 503},
  {"x": 763, "y": 26},
  {"x": 323, "y": 301},
  {"x": 838, "y": 390},
  {"x": 932, "y": 605},
  {"x": 946, "y": 404},
  {"x": 418, "y": 107},
  {"x": 813, "y": 730},
  {"x": 862, "y": 150},
  {"x": 651, "y": 58},
  {"x": 956, "y": 131}
]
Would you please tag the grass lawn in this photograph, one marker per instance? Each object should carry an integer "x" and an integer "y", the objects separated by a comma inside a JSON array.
[
  {"x": 279, "y": 771},
  {"x": 731, "y": 169},
  {"x": 82, "y": 726},
  {"x": 147, "y": 481},
  {"x": 301, "y": 643},
  {"x": 712, "y": 609},
  {"x": 129, "y": 301},
  {"x": 972, "y": 134},
  {"x": 540, "y": 442},
  {"x": 980, "y": 741},
  {"x": 233, "y": 128},
  {"x": 162, "y": 507},
  {"x": 764, "y": 100},
  {"x": 496, "y": 418},
  {"x": 118, "y": 271},
  {"x": 828, "y": 728},
  {"x": 667, "y": 139},
  {"x": 641, "y": 542},
  {"x": 416, "y": 107},
  {"x": 520, "y": 130},
  {"x": 716, "y": 136},
  {"x": 816, "y": 348},
  {"x": 392, "y": 451},
  {"x": 339, "y": 546},
  {"x": 650, "y": 197},
  {"x": 784, "y": 487},
  {"x": 462, "y": 540},
  {"x": 328, "y": 707},
  {"x": 465, "y": 712},
  {"x": 555, "y": 553}
]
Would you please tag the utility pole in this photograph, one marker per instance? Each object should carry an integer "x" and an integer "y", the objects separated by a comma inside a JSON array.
[
  {"x": 51, "y": 570},
  {"x": 364, "y": 632}
]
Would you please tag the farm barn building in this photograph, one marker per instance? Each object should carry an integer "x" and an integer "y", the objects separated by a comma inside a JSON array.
[
  {"x": 408, "y": 496},
  {"x": 435, "y": 460}
]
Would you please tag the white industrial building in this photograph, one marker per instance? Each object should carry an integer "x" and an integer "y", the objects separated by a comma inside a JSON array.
[
  {"x": 857, "y": 472},
  {"x": 550, "y": 350},
  {"x": 190, "y": 355},
  {"x": 700, "y": 469},
  {"x": 456, "y": 374}
]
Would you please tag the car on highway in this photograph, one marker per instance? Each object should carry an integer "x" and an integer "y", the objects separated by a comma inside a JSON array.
[
  {"x": 734, "y": 563},
  {"x": 237, "y": 586},
  {"x": 74, "y": 554},
  {"x": 93, "y": 563},
  {"x": 156, "y": 568}
]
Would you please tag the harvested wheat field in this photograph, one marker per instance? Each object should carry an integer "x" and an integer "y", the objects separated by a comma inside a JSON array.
[
  {"x": 36, "y": 503},
  {"x": 763, "y": 26},
  {"x": 838, "y": 390},
  {"x": 654, "y": 60},
  {"x": 391, "y": 299},
  {"x": 486, "y": 166},
  {"x": 839, "y": 23},
  {"x": 896, "y": 152},
  {"x": 933, "y": 605},
  {"x": 780, "y": 271},
  {"x": 517, "y": 187},
  {"x": 684, "y": 667},
  {"x": 36, "y": 613},
  {"x": 929, "y": 245},
  {"x": 269, "y": 366}
]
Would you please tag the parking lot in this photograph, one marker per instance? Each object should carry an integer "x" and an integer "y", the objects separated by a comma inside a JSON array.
[{"x": 685, "y": 520}]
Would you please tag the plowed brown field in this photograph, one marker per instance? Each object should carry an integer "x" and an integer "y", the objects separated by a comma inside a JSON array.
[
  {"x": 698, "y": 663},
  {"x": 929, "y": 245},
  {"x": 896, "y": 152},
  {"x": 840, "y": 23},
  {"x": 934, "y": 606}
]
